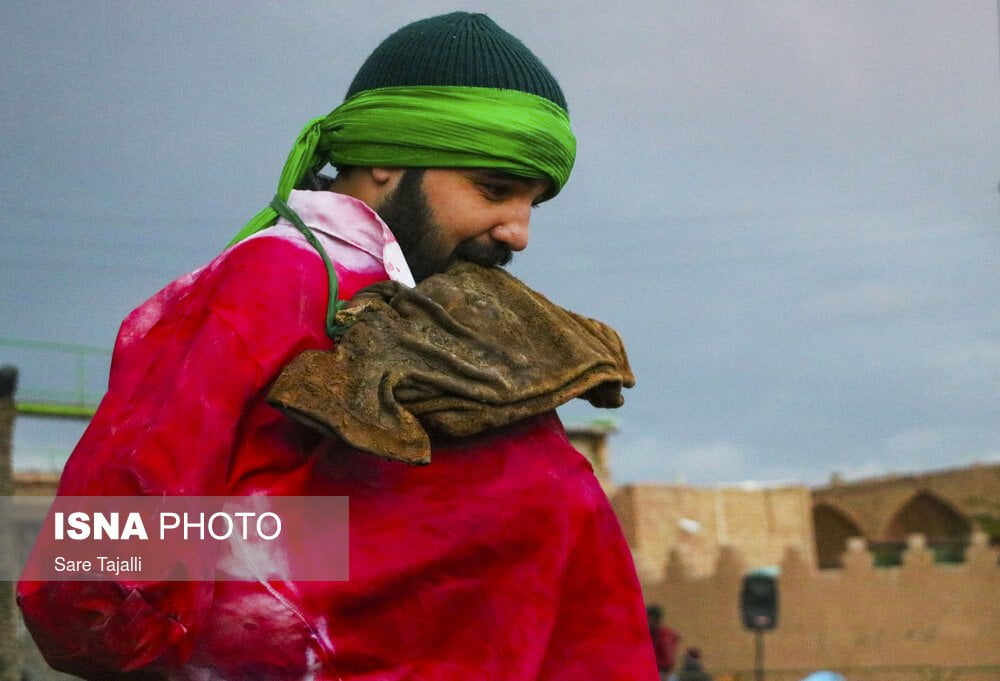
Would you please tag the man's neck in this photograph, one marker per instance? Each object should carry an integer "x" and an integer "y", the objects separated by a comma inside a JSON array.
[{"x": 356, "y": 184}]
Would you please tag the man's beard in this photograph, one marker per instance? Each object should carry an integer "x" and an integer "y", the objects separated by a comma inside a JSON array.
[{"x": 408, "y": 216}]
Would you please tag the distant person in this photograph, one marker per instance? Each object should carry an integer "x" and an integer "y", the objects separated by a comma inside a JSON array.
[
  {"x": 665, "y": 641},
  {"x": 691, "y": 667}
]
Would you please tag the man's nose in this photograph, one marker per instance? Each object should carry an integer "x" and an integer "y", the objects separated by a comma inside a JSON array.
[{"x": 512, "y": 231}]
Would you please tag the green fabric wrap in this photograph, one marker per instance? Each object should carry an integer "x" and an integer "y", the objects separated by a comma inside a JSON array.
[
  {"x": 452, "y": 127},
  {"x": 444, "y": 126}
]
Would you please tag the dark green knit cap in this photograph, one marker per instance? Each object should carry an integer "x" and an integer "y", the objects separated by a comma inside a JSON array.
[{"x": 456, "y": 49}]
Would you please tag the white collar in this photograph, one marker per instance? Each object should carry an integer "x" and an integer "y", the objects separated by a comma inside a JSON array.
[{"x": 344, "y": 224}]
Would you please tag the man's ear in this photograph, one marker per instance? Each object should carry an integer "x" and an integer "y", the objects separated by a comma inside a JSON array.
[
  {"x": 367, "y": 184},
  {"x": 386, "y": 178},
  {"x": 382, "y": 182}
]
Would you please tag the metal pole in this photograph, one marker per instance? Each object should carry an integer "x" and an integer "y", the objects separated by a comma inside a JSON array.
[
  {"x": 9, "y": 654},
  {"x": 758, "y": 674}
]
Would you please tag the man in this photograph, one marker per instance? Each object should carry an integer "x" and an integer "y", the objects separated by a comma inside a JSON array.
[
  {"x": 665, "y": 641},
  {"x": 499, "y": 560}
]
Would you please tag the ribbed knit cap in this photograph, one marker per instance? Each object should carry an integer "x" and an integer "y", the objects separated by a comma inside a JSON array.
[{"x": 456, "y": 49}]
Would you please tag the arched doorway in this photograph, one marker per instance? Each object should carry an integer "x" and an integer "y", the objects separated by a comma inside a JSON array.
[
  {"x": 946, "y": 530},
  {"x": 833, "y": 529}
]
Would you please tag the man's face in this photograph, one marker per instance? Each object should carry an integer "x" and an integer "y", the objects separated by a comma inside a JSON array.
[{"x": 443, "y": 215}]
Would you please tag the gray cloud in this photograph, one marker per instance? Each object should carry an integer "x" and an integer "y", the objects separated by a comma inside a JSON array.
[{"x": 789, "y": 210}]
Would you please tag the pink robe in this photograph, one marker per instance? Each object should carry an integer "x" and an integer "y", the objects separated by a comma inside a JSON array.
[{"x": 500, "y": 560}]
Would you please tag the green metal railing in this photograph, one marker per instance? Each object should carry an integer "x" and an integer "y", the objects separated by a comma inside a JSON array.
[{"x": 74, "y": 397}]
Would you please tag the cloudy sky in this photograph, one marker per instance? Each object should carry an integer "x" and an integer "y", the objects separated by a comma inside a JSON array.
[{"x": 788, "y": 209}]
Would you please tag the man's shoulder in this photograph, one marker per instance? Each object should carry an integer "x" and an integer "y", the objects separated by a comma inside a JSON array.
[
  {"x": 259, "y": 280},
  {"x": 258, "y": 268},
  {"x": 266, "y": 250}
]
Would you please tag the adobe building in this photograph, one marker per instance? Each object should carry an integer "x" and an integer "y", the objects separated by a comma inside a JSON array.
[
  {"x": 591, "y": 440},
  {"x": 889, "y": 577},
  {"x": 917, "y": 620},
  {"x": 698, "y": 522},
  {"x": 762, "y": 522},
  {"x": 945, "y": 506}
]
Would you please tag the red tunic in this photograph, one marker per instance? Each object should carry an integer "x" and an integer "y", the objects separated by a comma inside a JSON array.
[{"x": 500, "y": 560}]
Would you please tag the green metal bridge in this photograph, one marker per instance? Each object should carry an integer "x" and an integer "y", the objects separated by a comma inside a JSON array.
[{"x": 58, "y": 380}]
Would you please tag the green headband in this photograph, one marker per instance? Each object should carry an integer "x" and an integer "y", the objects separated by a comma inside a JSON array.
[{"x": 446, "y": 126}]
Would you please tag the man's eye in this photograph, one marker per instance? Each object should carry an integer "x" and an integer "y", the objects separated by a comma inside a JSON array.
[{"x": 494, "y": 192}]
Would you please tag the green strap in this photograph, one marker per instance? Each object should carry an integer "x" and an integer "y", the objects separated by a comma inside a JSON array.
[{"x": 333, "y": 306}]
